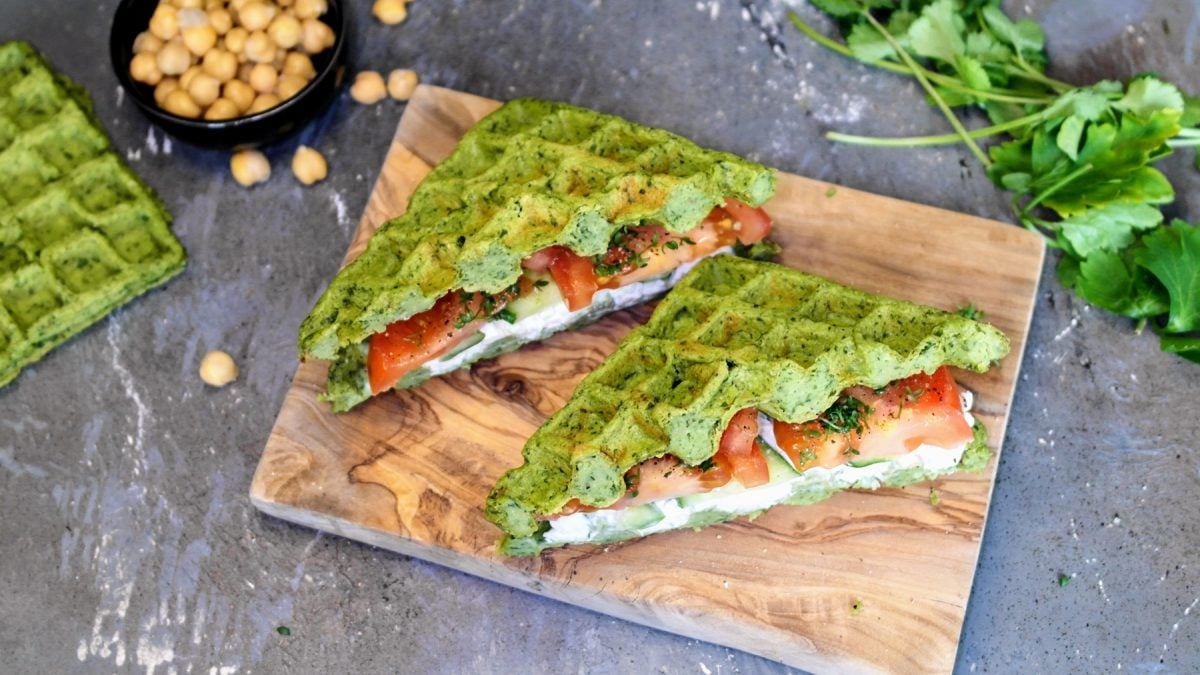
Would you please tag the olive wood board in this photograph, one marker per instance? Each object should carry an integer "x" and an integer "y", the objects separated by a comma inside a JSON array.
[{"x": 863, "y": 582}]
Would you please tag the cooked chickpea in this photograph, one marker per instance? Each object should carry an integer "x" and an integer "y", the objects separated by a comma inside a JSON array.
[
  {"x": 217, "y": 369},
  {"x": 191, "y": 18},
  {"x": 401, "y": 84},
  {"x": 285, "y": 31},
  {"x": 240, "y": 93},
  {"x": 204, "y": 89},
  {"x": 298, "y": 63},
  {"x": 288, "y": 86},
  {"x": 309, "y": 9},
  {"x": 222, "y": 109},
  {"x": 178, "y": 102},
  {"x": 174, "y": 58},
  {"x": 186, "y": 78},
  {"x": 164, "y": 23},
  {"x": 263, "y": 102},
  {"x": 390, "y": 12},
  {"x": 144, "y": 68},
  {"x": 146, "y": 42},
  {"x": 165, "y": 87},
  {"x": 309, "y": 166},
  {"x": 368, "y": 88},
  {"x": 235, "y": 40},
  {"x": 220, "y": 64},
  {"x": 199, "y": 39},
  {"x": 259, "y": 48},
  {"x": 256, "y": 15},
  {"x": 221, "y": 58},
  {"x": 220, "y": 19},
  {"x": 315, "y": 36},
  {"x": 263, "y": 78}
]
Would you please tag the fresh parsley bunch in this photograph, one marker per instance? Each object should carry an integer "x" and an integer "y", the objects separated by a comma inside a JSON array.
[{"x": 1078, "y": 160}]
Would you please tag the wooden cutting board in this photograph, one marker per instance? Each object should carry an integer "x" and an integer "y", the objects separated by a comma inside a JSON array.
[{"x": 862, "y": 582}]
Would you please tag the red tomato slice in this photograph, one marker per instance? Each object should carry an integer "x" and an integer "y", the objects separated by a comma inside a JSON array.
[
  {"x": 540, "y": 261},
  {"x": 916, "y": 410},
  {"x": 575, "y": 277},
  {"x": 648, "y": 251},
  {"x": 753, "y": 224},
  {"x": 808, "y": 445},
  {"x": 739, "y": 447},
  {"x": 403, "y": 346}
]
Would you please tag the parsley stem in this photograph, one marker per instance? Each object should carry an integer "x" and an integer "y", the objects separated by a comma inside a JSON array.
[
  {"x": 1048, "y": 192},
  {"x": 943, "y": 80},
  {"x": 1028, "y": 72},
  {"x": 929, "y": 88},
  {"x": 1185, "y": 142},
  {"x": 941, "y": 139}
]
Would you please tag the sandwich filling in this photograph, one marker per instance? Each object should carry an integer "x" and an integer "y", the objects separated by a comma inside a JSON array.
[
  {"x": 911, "y": 430},
  {"x": 558, "y": 289}
]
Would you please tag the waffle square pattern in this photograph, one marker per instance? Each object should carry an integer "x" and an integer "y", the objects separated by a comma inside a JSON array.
[
  {"x": 80, "y": 234},
  {"x": 734, "y": 333}
]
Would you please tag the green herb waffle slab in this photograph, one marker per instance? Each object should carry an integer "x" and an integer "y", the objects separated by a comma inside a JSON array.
[
  {"x": 533, "y": 174},
  {"x": 411, "y": 471},
  {"x": 732, "y": 334},
  {"x": 80, "y": 234}
]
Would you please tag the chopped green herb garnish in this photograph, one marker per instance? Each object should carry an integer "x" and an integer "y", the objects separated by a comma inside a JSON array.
[
  {"x": 971, "y": 312},
  {"x": 856, "y": 607},
  {"x": 935, "y": 497},
  {"x": 707, "y": 464},
  {"x": 283, "y": 630},
  {"x": 1064, "y": 580},
  {"x": 850, "y": 451},
  {"x": 831, "y": 192},
  {"x": 540, "y": 283},
  {"x": 507, "y": 314},
  {"x": 847, "y": 415}
]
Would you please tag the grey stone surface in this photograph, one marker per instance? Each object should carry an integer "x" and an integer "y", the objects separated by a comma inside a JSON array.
[{"x": 127, "y": 542}]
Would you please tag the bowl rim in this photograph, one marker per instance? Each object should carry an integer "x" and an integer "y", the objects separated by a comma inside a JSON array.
[{"x": 121, "y": 54}]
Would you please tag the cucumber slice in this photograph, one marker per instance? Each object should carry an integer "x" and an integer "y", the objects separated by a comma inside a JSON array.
[
  {"x": 623, "y": 524},
  {"x": 542, "y": 297},
  {"x": 638, "y": 517},
  {"x": 463, "y": 346}
]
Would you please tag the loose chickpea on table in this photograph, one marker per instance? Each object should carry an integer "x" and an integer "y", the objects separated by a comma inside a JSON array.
[{"x": 222, "y": 59}]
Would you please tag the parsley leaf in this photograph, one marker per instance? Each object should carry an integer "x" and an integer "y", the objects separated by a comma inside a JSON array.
[
  {"x": 937, "y": 34},
  {"x": 1172, "y": 254},
  {"x": 1078, "y": 158},
  {"x": 1107, "y": 228}
]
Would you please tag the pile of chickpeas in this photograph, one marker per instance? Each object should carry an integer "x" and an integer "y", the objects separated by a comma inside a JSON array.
[{"x": 221, "y": 59}]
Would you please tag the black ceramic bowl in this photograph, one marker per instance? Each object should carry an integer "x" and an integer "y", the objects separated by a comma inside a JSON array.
[{"x": 133, "y": 16}]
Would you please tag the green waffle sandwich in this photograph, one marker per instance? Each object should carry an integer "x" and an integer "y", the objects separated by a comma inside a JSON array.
[
  {"x": 751, "y": 385},
  {"x": 79, "y": 234},
  {"x": 544, "y": 218}
]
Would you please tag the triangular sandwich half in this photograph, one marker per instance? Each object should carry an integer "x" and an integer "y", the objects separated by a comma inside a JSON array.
[
  {"x": 751, "y": 385},
  {"x": 545, "y": 217}
]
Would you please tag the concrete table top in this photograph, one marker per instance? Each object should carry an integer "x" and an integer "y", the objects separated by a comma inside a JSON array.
[{"x": 128, "y": 542}]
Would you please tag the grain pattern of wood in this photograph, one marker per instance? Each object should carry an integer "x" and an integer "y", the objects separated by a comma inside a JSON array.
[{"x": 409, "y": 471}]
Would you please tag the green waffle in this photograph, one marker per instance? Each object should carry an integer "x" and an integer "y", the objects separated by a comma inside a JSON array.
[
  {"x": 79, "y": 234},
  {"x": 531, "y": 175},
  {"x": 733, "y": 333}
]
